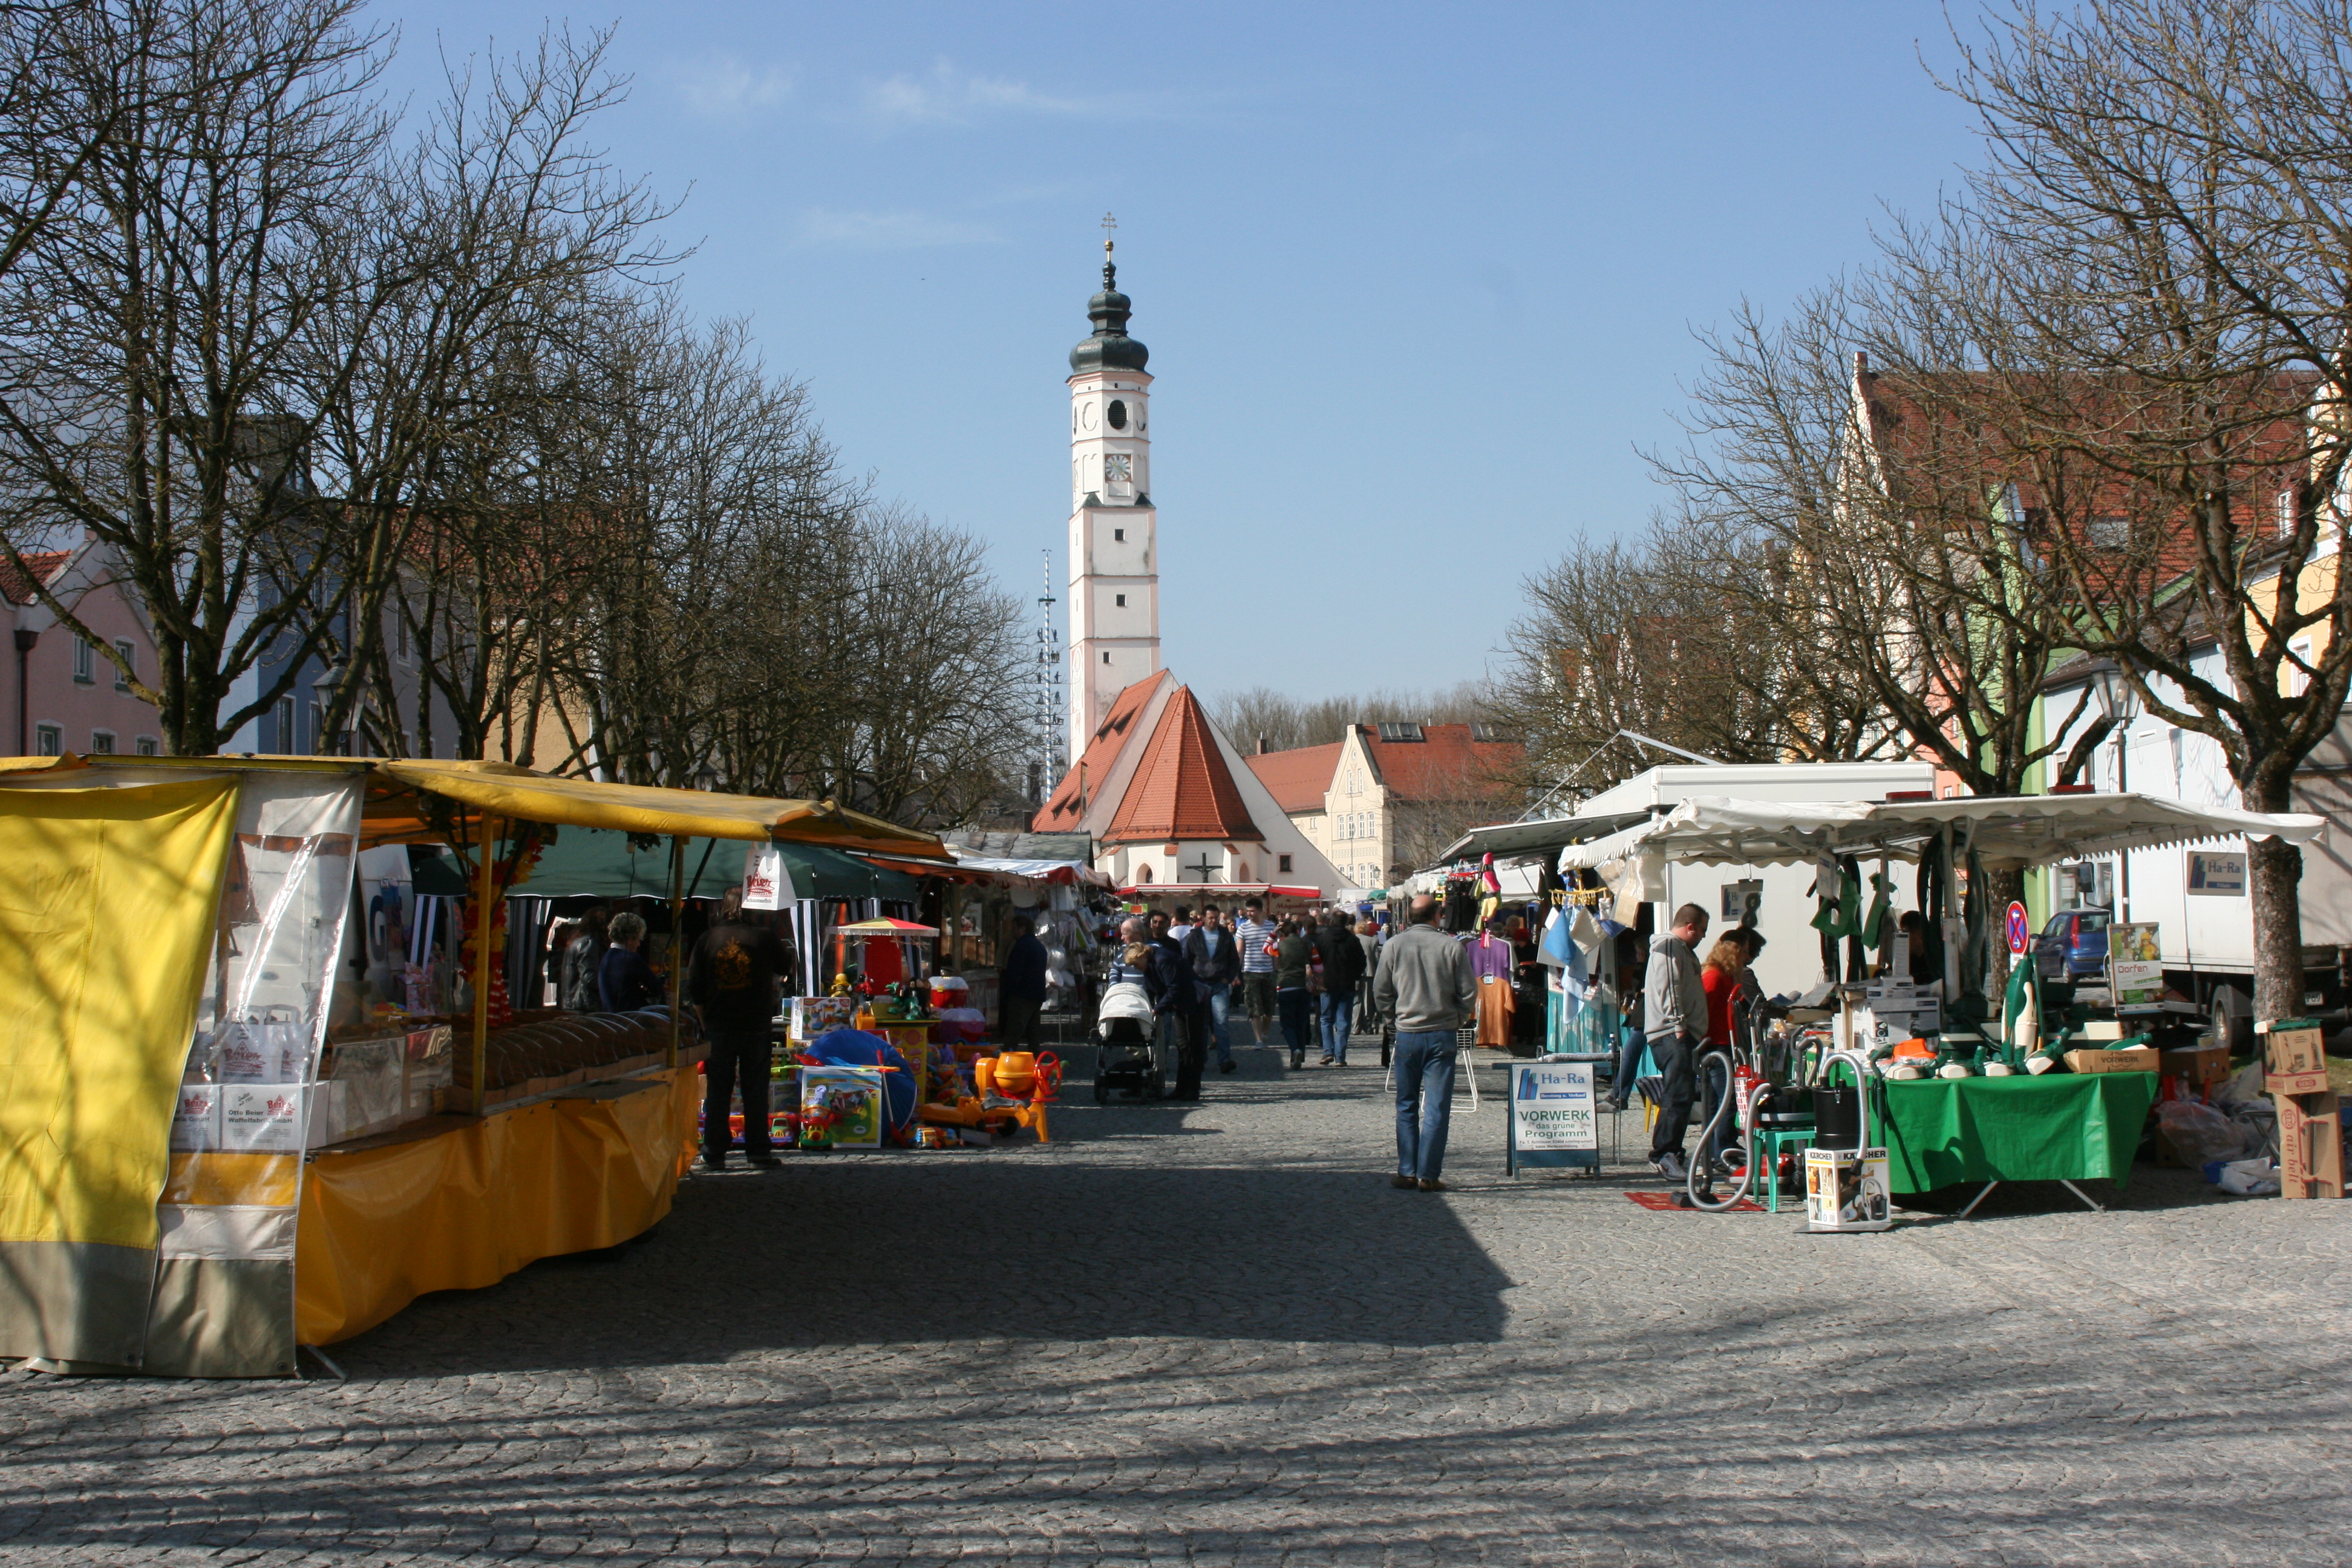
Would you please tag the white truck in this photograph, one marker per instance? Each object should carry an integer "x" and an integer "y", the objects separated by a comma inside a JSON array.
[{"x": 2197, "y": 894}]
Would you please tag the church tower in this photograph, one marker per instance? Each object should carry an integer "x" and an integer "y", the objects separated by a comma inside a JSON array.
[{"x": 1114, "y": 554}]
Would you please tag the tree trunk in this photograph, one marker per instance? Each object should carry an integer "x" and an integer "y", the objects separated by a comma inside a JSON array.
[
  {"x": 2274, "y": 872},
  {"x": 2004, "y": 886}
]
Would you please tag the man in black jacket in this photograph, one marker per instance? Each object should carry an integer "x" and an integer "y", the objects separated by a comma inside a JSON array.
[
  {"x": 1343, "y": 965},
  {"x": 1216, "y": 960},
  {"x": 1176, "y": 999},
  {"x": 1021, "y": 988}
]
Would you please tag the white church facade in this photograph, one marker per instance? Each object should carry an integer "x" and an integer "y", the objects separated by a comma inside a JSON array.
[{"x": 1167, "y": 800}]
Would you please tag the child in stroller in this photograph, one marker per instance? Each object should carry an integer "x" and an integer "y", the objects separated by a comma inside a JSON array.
[{"x": 1126, "y": 1033}]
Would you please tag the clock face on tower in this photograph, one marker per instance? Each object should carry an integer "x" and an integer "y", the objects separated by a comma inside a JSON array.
[{"x": 1119, "y": 467}]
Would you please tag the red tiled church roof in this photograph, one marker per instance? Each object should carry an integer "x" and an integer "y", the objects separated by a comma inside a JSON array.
[
  {"x": 44, "y": 564},
  {"x": 1297, "y": 778},
  {"x": 1064, "y": 810},
  {"x": 1182, "y": 789}
]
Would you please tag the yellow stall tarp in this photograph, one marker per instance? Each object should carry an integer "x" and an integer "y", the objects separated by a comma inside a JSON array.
[
  {"x": 466, "y": 1208},
  {"x": 506, "y": 790},
  {"x": 107, "y": 902}
]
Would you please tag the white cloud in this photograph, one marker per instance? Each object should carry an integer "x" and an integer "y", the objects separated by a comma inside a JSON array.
[
  {"x": 889, "y": 230},
  {"x": 947, "y": 96},
  {"x": 727, "y": 87}
]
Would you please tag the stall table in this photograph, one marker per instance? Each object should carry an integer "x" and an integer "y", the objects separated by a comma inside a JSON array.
[{"x": 2056, "y": 1127}]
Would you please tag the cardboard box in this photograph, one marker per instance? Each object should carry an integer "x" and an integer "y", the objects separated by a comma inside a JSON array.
[
  {"x": 2295, "y": 1083},
  {"x": 2200, "y": 1064},
  {"x": 812, "y": 1015},
  {"x": 2146, "y": 1059},
  {"x": 2292, "y": 1045},
  {"x": 2311, "y": 1145}
]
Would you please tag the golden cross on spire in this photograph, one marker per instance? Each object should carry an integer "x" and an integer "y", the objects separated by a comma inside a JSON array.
[{"x": 1109, "y": 224}]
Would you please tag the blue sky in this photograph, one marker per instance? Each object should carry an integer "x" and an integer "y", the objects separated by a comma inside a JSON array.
[{"x": 1418, "y": 282}]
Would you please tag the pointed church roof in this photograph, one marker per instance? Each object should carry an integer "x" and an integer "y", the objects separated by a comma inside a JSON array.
[
  {"x": 1182, "y": 788},
  {"x": 1065, "y": 810}
]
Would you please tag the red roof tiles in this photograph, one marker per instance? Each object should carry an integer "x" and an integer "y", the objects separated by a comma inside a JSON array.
[
  {"x": 1297, "y": 778},
  {"x": 1063, "y": 811},
  {"x": 1182, "y": 789},
  {"x": 1447, "y": 764},
  {"x": 45, "y": 565}
]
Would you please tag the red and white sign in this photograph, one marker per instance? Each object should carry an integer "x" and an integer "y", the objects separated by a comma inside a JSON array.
[{"x": 2020, "y": 934}]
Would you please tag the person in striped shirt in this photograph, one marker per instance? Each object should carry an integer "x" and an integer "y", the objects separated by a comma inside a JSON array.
[{"x": 1255, "y": 932}]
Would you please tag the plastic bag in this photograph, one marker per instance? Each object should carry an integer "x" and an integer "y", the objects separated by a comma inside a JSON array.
[
  {"x": 2245, "y": 1085},
  {"x": 2199, "y": 1132},
  {"x": 2251, "y": 1178}
]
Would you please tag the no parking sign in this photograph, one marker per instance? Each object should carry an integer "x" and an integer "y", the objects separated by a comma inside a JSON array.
[{"x": 2021, "y": 935}]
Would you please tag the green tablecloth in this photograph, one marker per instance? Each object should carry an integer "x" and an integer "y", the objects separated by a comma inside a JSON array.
[{"x": 2058, "y": 1126}]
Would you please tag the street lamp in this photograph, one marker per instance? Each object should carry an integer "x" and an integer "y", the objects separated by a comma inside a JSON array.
[
  {"x": 322, "y": 693},
  {"x": 2119, "y": 703}
]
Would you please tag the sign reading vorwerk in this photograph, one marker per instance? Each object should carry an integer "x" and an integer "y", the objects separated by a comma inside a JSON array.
[{"x": 1553, "y": 1115}]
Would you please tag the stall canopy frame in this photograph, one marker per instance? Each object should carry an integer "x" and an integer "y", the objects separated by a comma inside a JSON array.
[{"x": 2005, "y": 830}]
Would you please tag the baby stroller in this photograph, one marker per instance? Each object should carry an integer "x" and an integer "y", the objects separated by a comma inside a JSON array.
[{"x": 1127, "y": 1057}]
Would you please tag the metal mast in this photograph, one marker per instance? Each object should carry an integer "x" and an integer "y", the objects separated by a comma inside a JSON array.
[{"x": 1050, "y": 716}]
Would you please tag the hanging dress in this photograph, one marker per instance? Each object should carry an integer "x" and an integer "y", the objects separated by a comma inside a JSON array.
[{"x": 1491, "y": 959}]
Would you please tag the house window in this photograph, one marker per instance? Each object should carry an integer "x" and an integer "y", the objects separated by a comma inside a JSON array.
[
  {"x": 85, "y": 656},
  {"x": 2297, "y": 681},
  {"x": 1122, "y": 601},
  {"x": 146, "y": 745},
  {"x": 49, "y": 739},
  {"x": 1119, "y": 535},
  {"x": 2286, "y": 512},
  {"x": 1282, "y": 862},
  {"x": 2110, "y": 532},
  {"x": 130, "y": 652},
  {"x": 1143, "y": 873},
  {"x": 102, "y": 742},
  {"x": 1106, "y": 658},
  {"x": 285, "y": 740}
]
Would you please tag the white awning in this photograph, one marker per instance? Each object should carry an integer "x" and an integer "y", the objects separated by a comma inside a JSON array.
[
  {"x": 2007, "y": 830},
  {"x": 1517, "y": 840}
]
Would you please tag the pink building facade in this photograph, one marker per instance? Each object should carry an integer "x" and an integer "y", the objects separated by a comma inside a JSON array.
[{"x": 61, "y": 693}]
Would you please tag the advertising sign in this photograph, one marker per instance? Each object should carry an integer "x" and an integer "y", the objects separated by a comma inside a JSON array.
[
  {"x": 2135, "y": 967},
  {"x": 1552, "y": 1116},
  {"x": 2217, "y": 875}
]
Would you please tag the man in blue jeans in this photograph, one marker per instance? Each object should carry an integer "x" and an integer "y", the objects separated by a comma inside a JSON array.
[
  {"x": 1216, "y": 961},
  {"x": 1343, "y": 966},
  {"x": 1425, "y": 984}
]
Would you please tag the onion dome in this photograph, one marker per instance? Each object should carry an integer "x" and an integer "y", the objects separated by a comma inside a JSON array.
[{"x": 1110, "y": 348}]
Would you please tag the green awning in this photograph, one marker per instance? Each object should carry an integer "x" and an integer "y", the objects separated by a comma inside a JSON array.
[{"x": 598, "y": 862}]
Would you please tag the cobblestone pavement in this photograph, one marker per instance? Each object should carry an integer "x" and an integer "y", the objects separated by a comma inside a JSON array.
[{"x": 1214, "y": 1334}]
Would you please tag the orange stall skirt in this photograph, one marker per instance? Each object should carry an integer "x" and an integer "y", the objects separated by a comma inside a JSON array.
[{"x": 465, "y": 1207}]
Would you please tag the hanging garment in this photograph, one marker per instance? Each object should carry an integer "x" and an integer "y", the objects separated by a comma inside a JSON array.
[
  {"x": 1873, "y": 925},
  {"x": 1496, "y": 1006}
]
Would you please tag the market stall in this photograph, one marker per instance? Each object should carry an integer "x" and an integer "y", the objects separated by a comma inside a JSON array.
[
  {"x": 1971, "y": 1091},
  {"x": 214, "y": 1150}
]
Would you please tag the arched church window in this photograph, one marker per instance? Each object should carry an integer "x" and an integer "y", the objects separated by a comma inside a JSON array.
[{"x": 1118, "y": 414}]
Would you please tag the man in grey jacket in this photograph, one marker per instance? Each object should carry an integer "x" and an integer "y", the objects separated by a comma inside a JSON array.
[
  {"x": 1426, "y": 985},
  {"x": 1674, "y": 1015}
]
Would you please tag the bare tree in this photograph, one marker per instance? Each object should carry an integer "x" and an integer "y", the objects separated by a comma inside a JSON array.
[
  {"x": 147, "y": 333},
  {"x": 1284, "y": 722},
  {"x": 2167, "y": 213}
]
